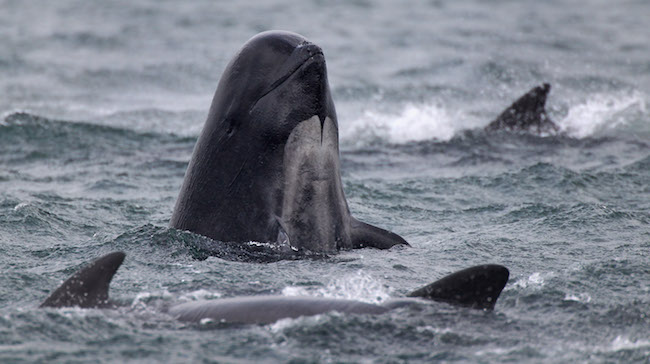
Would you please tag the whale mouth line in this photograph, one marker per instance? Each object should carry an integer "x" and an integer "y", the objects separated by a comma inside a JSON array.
[{"x": 280, "y": 81}]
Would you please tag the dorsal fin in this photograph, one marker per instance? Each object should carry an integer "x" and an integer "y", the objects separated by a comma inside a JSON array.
[
  {"x": 527, "y": 113},
  {"x": 88, "y": 287},
  {"x": 475, "y": 287}
]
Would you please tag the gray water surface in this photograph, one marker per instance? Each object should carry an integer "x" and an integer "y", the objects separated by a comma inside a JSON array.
[{"x": 102, "y": 103}]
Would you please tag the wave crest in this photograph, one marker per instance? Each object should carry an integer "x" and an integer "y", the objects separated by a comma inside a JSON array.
[
  {"x": 411, "y": 124},
  {"x": 602, "y": 112}
]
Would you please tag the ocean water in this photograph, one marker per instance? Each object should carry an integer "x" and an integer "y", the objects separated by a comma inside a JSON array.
[{"x": 102, "y": 103}]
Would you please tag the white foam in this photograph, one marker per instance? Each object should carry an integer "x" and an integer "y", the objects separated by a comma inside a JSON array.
[
  {"x": 200, "y": 294},
  {"x": 624, "y": 343},
  {"x": 21, "y": 206},
  {"x": 580, "y": 297},
  {"x": 494, "y": 351},
  {"x": 433, "y": 121},
  {"x": 283, "y": 324},
  {"x": 359, "y": 286},
  {"x": 295, "y": 291},
  {"x": 74, "y": 311},
  {"x": 206, "y": 321},
  {"x": 536, "y": 280},
  {"x": 601, "y": 112},
  {"x": 414, "y": 122},
  {"x": 141, "y": 299},
  {"x": 434, "y": 330}
]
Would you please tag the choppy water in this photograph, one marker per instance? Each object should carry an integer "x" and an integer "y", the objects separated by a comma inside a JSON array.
[{"x": 102, "y": 103}]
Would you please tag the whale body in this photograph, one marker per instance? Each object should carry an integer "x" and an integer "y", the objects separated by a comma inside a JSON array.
[
  {"x": 266, "y": 166},
  {"x": 476, "y": 287}
]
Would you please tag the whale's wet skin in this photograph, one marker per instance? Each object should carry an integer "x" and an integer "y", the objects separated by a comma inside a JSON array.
[
  {"x": 266, "y": 165},
  {"x": 475, "y": 287},
  {"x": 312, "y": 180},
  {"x": 101, "y": 106}
]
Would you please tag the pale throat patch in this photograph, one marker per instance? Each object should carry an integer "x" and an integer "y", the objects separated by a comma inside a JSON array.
[{"x": 314, "y": 208}]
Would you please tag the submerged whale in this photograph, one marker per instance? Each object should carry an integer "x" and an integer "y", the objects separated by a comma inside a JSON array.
[
  {"x": 476, "y": 287},
  {"x": 527, "y": 113},
  {"x": 266, "y": 165}
]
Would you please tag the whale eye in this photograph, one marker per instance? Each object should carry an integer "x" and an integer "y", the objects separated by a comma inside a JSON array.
[{"x": 230, "y": 126}]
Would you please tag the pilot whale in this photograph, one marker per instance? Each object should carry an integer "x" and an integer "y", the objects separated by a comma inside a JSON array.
[
  {"x": 527, "y": 113},
  {"x": 477, "y": 287},
  {"x": 266, "y": 165}
]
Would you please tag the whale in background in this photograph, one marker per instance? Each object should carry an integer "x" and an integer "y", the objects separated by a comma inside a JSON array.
[
  {"x": 528, "y": 113},
  {"x": 476, "y": 287}
]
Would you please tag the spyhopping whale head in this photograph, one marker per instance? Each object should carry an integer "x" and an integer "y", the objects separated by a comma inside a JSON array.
[{"x": 266, "y": 166}]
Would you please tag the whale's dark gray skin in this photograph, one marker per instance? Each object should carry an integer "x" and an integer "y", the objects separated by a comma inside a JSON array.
[
  {"x": 266, "y": 165},
  {"x": 88, "y": 287},
  {"x": 473, "y": 287},
  {"x": 528, "y": 113},
  {"x": 476, "y": 287}
]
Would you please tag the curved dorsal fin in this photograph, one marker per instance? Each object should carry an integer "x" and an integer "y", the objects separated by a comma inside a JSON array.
[
  {"x": 527, "y": 113},
  {"x": 475, "y": 287},
  {"x": 88, "y": 287}
]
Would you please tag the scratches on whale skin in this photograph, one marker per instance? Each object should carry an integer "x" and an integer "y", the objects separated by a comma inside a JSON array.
[{"x": 239, "y": 172}]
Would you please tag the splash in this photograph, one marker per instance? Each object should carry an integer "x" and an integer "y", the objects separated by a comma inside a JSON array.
[
  {"x": 295, "y": 291},
  {"x": 200, "y": 294},
  {"x": 142, "y": 299},
  {"x": 360, "y": 286},
  {"x": 625, "y": 343},
  {"x": 536, "y": 280},
  {"x": 580, "y": 297},
  {"x": 415, "y": 122},
  {"x": 602, "y": 112}
]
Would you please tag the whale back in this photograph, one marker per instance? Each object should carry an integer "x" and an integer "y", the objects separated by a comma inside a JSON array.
[{"x": 267, "y": 309}]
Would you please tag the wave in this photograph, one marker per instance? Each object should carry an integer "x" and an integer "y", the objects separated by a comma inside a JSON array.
[
  {"x": 413, "y": 123},
  {"x": 602, "y": 112},
  {"x": 32, "y": 123},
  {"x": 183, "y": 123},
  {"x": 166, "y": 242},
  {"x": 598, "y": 115},
  {"x": 39, "y": 127},
  {"x": 26, "y": 137}
]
